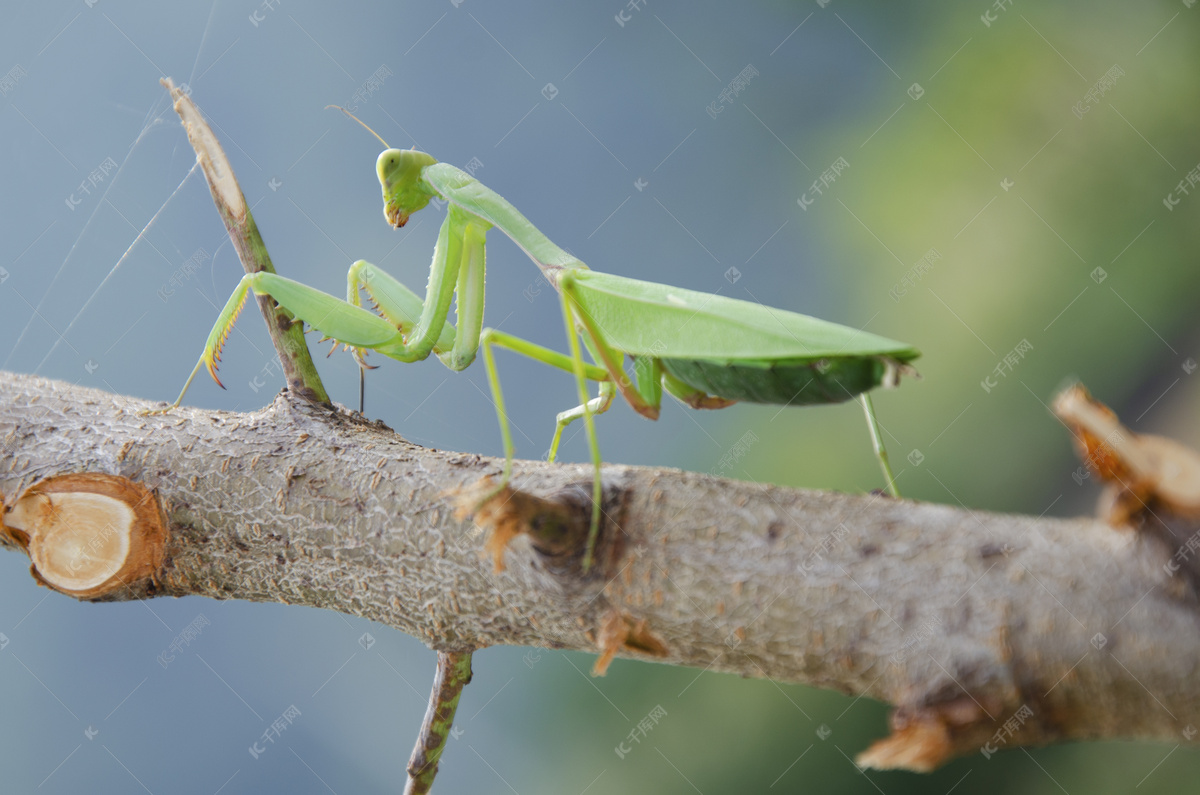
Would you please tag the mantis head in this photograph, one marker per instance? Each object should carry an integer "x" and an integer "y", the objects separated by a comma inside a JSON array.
[{"x": 400, "y": 175}]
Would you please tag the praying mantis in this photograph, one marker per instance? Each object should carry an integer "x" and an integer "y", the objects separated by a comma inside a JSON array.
[{"x": 708, "y": 351}]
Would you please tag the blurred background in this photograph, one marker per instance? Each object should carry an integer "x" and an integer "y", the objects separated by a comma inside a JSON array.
[{"x": 1008, "y": 188}]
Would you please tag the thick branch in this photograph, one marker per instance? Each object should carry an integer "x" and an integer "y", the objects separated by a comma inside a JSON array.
[{"x": 960, "y": 618}]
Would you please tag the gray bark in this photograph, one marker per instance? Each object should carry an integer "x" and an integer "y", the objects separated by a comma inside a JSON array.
[{"x": 958, "y": 617}]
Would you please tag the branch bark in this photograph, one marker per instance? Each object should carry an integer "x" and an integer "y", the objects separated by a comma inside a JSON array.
[{"x": 983, "y": 629}]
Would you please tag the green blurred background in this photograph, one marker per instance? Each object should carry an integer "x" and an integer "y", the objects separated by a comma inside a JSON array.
[{"x": 969, "y": 132}]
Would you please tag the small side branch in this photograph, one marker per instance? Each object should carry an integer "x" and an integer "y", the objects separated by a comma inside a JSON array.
[
  {"x": 453, "y": 674},
  {"x": 287, "y": 335}
]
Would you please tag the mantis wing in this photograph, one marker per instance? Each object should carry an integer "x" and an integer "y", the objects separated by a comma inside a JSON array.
[{"x": 649, "y": 319}]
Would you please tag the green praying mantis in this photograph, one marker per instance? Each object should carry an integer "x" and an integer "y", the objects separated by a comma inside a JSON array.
[{"x": 708, "y": 351}]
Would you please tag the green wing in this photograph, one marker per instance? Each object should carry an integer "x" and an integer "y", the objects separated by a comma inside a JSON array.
[{"x": 649, "y": 319}]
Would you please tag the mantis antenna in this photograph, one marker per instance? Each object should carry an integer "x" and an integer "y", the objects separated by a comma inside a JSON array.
[{"x": 360, "y": 121}]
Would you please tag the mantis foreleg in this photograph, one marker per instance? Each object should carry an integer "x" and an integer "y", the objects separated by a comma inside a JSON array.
[
  {"x": 458, "y": 266},
  {"x": 352, "y": 325},
  {"x": 460, "y": 242},
  {"x": 410, "y": 328},
  {"x": 392, "y": 300}
]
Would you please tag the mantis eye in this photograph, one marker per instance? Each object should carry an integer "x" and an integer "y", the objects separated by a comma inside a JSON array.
[{"x": 399, "y": 165}]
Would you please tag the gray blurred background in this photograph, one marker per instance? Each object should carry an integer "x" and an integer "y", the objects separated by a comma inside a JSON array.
[{"x": 1044, "y": 198}]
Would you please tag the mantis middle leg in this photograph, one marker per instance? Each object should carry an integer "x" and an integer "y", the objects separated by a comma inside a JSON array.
[
  {"x": 583, "y": 372},
  {"x": 491, "y": 338}
]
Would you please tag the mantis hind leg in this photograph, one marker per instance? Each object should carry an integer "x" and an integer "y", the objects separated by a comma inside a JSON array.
[
  {"x": 646, "y": 396},
  {"x": 877, "y": 442},
  {"x": 569, "y": 317}
]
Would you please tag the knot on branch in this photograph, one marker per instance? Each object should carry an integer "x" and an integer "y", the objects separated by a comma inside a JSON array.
[{"x": 557, "y": 525}]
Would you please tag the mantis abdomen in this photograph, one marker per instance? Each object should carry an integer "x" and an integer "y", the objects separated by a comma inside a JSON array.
[{"x": 797, "y": 383}]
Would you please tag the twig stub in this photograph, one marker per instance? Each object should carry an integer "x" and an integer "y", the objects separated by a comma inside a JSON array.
[{"x": 1147, "y": 473}]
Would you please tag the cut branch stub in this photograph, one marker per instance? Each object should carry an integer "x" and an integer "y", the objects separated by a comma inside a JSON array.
[
  {"x": 1145, "y": 472},
  {"x": 88, "y": 534},
  {"x": 925, "y": 738},
  {"x": 621, "y": 632}
]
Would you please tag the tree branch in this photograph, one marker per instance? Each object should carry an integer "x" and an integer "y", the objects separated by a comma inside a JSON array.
[
  {"x": 983, "y": 629},
  {"x": 287, "y": 336},
  {"x": 453, "y": 674}
]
